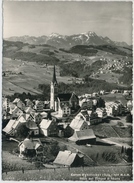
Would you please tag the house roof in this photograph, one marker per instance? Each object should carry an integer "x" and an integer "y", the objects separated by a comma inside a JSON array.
[
  {"x": 65, "y": 158},
  {"x": 82, "y": 135},
  {"x": 16, "y": 100},
  {"x": 65, "y": 96},
  {"x": 9, "y": 125},
  {"x": 29, "y": 109},
  {"x": 45, "y": 123},
  {"x": 77, "y": 123},
  {"x": 84, "y": 113},
  {"x": 30, "y": 143}
]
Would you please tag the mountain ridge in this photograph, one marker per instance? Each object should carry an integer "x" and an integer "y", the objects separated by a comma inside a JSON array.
[{"x": 64, "y": 41}]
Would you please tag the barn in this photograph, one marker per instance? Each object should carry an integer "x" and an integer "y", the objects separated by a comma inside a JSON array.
[
  {"x": 83, "y": 137},
  {"x": 69, "y": 159}
]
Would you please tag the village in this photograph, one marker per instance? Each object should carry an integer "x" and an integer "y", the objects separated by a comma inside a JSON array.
[{"x": 69, "y": 120}]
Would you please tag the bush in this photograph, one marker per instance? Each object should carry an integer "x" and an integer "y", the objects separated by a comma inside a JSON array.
[{"x": 22, "y": 131}]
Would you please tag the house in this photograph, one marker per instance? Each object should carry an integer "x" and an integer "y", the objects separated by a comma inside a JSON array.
[
  {"x": 102, "y": 92},
  {"x": 67, "y": 103},
  {"x": 27, "y": 117},
  {"x": 101, "y": 112},
  {"x": 69, "y": 159},
  {"x": 49, "y": 127},
  {"x": 83, "y": 137},
  {"x": 110, "y": 109},
  {"x": 78, "y": 123},
  {"x": 44, "y": 115},
  {"x": 93, "y": 118},
  {"x": 119, "y": 107},
  {"x": 39, "y": 106},
  {"x": 88, "y": 104},
  {"x": 9, "y": 129},
  {"x": 29, "y": 146},
  {"x": 19, "y": 103},
  {"x": 5, "y": 104},
  {"x": 65, "y": 130},
  {"x": 115, "y": 108},
  {"x": 129, "y": 105},
  {"x": 29, "y": 103},
  {"x": 37, "y": 117},
  {"x": 13, "y": 125},
  {"x": 32, "y": 126},
  {"x": 16, "y": 112}
]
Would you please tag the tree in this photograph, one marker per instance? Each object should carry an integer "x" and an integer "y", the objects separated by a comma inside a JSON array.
[
  {"x": 129, "y": 118},
  {"x": 22, "y": 131},
  {"x": 101, "y": 102}
]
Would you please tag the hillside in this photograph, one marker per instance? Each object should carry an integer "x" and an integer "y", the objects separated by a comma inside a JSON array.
[{"x": 27, "y": 65}]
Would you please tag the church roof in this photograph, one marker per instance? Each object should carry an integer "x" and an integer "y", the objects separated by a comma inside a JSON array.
[{"x": 65, "y": 96}]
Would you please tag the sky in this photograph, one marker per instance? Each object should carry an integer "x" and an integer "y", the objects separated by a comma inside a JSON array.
[{"x": 111, "y": 19}]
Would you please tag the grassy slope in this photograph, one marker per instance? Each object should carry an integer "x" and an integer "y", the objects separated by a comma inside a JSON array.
[
  {"x": 35, "y": 73},
  {"x": 111, "y": 172}
]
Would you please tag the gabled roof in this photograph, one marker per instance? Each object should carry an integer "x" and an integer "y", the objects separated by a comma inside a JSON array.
[
  {"x": 83, "y": 135},
  {"x": 26, "y": 116},
  {"x": 65, "y": 158},
  {"x": 30, "y": 143},
  {"x": 45, "y": 123},
  {"x": 29, "y": 109},
  {"x": 33, "y": 126},
  {"x": 66, "y": 96},
  {"x": 77, "y": 123},
  {"x": 9, "y": 126},
  {"x": 16, "y": 100}
]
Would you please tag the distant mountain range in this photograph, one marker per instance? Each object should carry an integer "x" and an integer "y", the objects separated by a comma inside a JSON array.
[{"x": 61, "y": 41}]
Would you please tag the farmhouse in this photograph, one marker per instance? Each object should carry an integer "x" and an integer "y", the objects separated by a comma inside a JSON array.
[
  {"x": 83, "y": 137},
  {"x": 49, "y": 127},
  {"x": 78, "y": 123},
  {"x": 30, "y": 146},
  {"x": 68, "y": 159}
]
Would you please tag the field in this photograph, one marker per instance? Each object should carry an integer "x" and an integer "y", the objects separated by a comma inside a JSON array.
[
  {"x": 114, "y": 173},
  {"x": 31, "y": 75}
]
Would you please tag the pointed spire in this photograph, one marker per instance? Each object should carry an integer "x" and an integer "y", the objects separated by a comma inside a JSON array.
[{"x": 54, "y": 80}]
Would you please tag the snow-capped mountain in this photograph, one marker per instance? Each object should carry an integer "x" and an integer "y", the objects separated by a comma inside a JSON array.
[{"x": 57, "y": 40}]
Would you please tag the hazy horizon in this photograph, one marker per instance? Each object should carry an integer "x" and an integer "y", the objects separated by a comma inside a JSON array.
[{"x": 38, "y": 18}]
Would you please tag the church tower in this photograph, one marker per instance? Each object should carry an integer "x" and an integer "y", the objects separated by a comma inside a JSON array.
[{"x": 53, "y": 91}]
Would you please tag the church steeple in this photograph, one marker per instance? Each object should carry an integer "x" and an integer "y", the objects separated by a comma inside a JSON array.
[
  {"x": 54, "y": 80},
  {"x": 53, "y": 91}
]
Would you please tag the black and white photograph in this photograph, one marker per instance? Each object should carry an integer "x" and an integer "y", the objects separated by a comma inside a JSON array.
[{"x": 67, "y": 91}]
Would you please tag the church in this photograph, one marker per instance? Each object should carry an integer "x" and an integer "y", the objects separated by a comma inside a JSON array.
[{"x": 62, "y": 103}]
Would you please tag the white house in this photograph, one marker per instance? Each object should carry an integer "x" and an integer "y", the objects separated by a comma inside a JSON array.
[
  {"x": 101, "y": 112},
  {"x": 49, "y": 127},
  {"x": 78, "y": 123}
]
